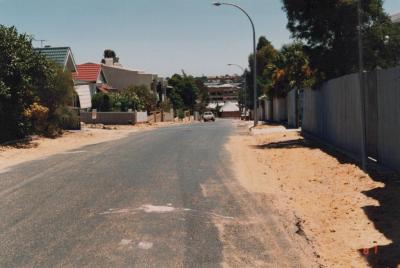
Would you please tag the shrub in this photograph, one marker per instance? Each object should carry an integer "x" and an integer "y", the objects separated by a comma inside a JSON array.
[
  {"x": 38, "y": 116},
  {"x": 68, "y": 118}
]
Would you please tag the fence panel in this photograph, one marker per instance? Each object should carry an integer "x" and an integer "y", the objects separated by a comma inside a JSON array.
[
  {"x": 312, "y": 112},
  {"x": 371, "y": 113},
  {"x": 292, "y": 108},
  {"x": 279, "y": 109},
  {"x": 389, "y": 117},
  {"x": 333, "y": 113}
]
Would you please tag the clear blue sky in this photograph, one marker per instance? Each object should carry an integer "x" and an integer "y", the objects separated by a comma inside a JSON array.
[{"x": 157, "y": 36}]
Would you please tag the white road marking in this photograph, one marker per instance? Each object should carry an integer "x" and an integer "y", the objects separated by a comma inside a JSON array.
[
  {"x": 156, "y": 209},
  {"x": 161, "y": 209},
  {"x": 145, "y": 245}
]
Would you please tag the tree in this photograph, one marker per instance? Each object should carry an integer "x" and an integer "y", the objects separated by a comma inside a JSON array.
[
  {"x": 279, "y": 71},
  {"x": 185, "y": 92},
  {"x": 26, "y": 77},
  {"x": 266, "y": 57},
  {"x": 147, "y": 98},
  {"x": 56, "y": 88},
  {"x": 203, "y": 97},
  {"x": 291, "y": 70},
  {"x": 329, "y": 30},
  {"x": 109, "y": 53}
]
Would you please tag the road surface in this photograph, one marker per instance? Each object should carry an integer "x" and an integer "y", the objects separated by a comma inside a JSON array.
[{"x": 162, "y": 198}]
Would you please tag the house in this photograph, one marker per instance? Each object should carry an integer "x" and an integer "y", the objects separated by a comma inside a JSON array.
[
  {"x": 119, "y": 78},
  {"x": 92, "y": 74},
  {"x": 60, "y": 55},
  {"x": 65, "y": 59}
]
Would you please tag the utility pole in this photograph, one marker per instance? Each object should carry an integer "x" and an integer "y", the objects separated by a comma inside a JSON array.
[{"x": 362, "y": 87}]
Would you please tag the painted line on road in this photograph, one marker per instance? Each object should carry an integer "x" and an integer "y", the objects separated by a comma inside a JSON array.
[
  {"x": 161, "y": 209},
  {"x": 145, "y": 245},
  {"x": 128, "y": 243}
]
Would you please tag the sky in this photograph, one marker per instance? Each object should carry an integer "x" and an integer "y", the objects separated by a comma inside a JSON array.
[{"x": 158, "y": 36}]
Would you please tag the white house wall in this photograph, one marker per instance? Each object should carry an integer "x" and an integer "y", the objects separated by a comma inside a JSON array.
[{"x": 84, "y": 95}]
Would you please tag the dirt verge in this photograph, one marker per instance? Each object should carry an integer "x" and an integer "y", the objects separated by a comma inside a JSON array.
[{"x": 320, "y": 192}]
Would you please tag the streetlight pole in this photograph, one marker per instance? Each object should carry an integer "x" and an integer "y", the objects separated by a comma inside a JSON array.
[
  {"x": 362, "y": 88},
  {"x": 254, "y": 57},
  {"x": 244, "y": 84}
]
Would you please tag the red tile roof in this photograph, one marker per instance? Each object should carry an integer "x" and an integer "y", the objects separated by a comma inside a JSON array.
[{"x": 87, "y": 72}]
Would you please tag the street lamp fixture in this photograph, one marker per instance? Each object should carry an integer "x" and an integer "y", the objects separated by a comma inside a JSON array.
[
  {"x": 254, "y": 56},
  {"x": 237, "y": 65}
]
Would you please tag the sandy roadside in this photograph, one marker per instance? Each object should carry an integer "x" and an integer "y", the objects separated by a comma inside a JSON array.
[
  {"x": 321, "y": 193},
  {"x": 70, "y": 140}
]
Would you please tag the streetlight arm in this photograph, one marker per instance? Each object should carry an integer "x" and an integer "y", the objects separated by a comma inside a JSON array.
[
  {"x": 254, "y": 55},
  {"x": 237, "y": 65},
  {"x": 244, "y": 11}
]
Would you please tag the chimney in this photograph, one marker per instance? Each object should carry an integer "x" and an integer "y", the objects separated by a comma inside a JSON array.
[{"x": 109, "y": 61}]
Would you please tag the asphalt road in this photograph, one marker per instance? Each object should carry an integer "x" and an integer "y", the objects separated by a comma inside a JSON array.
[{"x": 162, "y": 198}]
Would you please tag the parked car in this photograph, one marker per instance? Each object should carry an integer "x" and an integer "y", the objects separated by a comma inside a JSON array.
[{"x": 208, "y": 116}]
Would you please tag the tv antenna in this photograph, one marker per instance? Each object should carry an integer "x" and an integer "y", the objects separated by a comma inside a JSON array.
[{"x": 40, "y": 40}]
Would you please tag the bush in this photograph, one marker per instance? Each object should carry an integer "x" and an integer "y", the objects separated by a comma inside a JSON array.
[
  {"x": 68, "y": 118},
  {"x": 102, "y": 102},
  {"x": 181, "y": 114},
  {"x": 166, "y": 106}
]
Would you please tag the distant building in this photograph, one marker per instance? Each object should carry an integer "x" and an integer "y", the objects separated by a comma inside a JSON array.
[
  {"x": 395, "y": 18},
  {"x": 223, "y": 93},
  {"x": 225, "y": 79},
  {"x": 223, "y": 90},
  {"x": 230, "y": 110}
]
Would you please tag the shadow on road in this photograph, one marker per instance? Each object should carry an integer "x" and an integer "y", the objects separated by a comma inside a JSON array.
[
  {"x": 385, "y": 217},
  {"x": 290, "y": 144}
]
